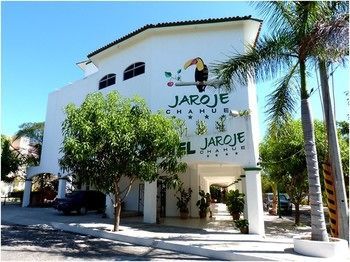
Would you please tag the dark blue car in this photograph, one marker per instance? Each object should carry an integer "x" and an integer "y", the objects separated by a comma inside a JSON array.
[
  {"x": 286, "y": 205},
  {"x": 81, "y": 202}
]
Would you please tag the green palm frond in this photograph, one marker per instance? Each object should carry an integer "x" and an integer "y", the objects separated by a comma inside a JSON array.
[
  {"x": 279, "y": 14},
  {"x": 285, "y": 16},
  {"x": 307, "y": 12},
  {"x": 282, "y": 100},
  {"x": 270, "y": 57}
]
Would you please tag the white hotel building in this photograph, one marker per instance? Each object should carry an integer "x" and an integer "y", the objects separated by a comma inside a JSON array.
[{"x": 149, "y": 62}]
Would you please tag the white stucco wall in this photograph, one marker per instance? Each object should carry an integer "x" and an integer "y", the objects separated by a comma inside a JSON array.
[{"x": 164, "y": 49}]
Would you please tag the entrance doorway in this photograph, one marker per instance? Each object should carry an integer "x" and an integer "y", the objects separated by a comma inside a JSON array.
[{"x": 218, "y": 193}]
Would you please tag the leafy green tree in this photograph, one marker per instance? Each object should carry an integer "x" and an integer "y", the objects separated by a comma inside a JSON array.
[
  {"x": 10, "y": 161},
  {"x": 283, "y": 158},
  {"x": 109, "y": 139},
  {"x": 287, "y": 49},
  {"x": 343, "y": 127},
  {"x": 267, "y": 184}
]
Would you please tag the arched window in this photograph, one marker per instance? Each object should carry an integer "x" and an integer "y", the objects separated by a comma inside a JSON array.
[
  {"x": 134, "y": 70},
  {"x": 107, "y": 80}
]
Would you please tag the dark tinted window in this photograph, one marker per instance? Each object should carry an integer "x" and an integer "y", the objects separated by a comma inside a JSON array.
[
  {"x": 107, "y": 80},
  {"x": 283, "y": 197},
  {"x": 134, "y": 70}
]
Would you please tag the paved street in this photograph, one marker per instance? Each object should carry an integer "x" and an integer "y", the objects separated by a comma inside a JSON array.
[
  {"x": 40, "y": 238},
  {"x": 42, "y": 243}
]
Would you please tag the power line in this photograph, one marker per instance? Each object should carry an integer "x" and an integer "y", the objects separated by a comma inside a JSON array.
[{"x": 285, "y": 159}]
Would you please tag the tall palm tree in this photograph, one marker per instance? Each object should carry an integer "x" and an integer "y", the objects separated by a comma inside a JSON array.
[
  {"x": 287, "y": 49},
  {"x": 331, "y": 35}
]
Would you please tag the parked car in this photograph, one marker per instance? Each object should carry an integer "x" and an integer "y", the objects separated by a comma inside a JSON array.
[
  {"x": 81, "y": 202},
  {"x": 286, "y": 205}
]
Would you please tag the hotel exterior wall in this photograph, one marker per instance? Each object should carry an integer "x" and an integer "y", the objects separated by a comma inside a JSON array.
[
  {"x": 166, "y": 50},
  {"x": 161, "y": 51},
  {"x": 211, "y": 46},
  {"x": 76, "y": 93}
]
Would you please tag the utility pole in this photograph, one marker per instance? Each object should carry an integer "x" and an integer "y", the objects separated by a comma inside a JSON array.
[{"x": 334, "y": 155}]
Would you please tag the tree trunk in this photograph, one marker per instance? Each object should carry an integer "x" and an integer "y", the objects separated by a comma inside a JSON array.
[
  {"x": 274, "y": 201},
  {"x": 117, "y": 207},
  {"x": 334, "y": 155},
  {"x": 118, "y": 200},
  {"x": 297, "y": 215},
  {"x": 318, "y": 225}
]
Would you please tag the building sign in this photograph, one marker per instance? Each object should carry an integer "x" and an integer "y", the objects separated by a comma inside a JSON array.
[
  {"x": 208, "y": 116},
  {"x": 228, "y": 144},
  {"x": 204, "y": 100},
  {"x": 189, "y": 105}
]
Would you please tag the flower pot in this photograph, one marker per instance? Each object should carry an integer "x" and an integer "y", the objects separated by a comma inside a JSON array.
[
  {"x": 184, "y": 215},
  {"x": 202, "y": 214},
  {"x": 334, "y": 248},
  {"x": 244, "y": 230}
]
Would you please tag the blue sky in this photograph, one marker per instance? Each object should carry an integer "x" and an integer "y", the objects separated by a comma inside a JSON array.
[{"x": 42, "y": 41}]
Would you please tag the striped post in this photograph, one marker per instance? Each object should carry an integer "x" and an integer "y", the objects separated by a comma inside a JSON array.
[{"x": 331, "y": 198}]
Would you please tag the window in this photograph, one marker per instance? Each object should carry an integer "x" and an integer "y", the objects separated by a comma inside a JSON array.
[
  {"x": 134, "y": 70},
  {"x": 107, "y": 80}
]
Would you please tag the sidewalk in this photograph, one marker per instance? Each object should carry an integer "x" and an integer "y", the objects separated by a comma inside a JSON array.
[{"x": 215, "y": 244}]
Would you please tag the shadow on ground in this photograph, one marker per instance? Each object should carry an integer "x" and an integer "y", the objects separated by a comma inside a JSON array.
[{"x": 78, "y": 246}]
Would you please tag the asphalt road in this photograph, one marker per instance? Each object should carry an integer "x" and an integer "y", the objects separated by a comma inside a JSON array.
[{"x": 38, "y": 243}]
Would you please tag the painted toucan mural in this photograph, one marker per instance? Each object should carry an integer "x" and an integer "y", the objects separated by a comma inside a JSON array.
[{"x": 201, "y": 73}]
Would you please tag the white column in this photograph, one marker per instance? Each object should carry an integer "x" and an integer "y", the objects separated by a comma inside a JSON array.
[
  {"x": 150, "y": 203},
  {"x": 26, "y": 193},
  {"x": 61, "y": 187},
  {"x": 255, "y": 212},
  {"x": 244, "y": 191}
]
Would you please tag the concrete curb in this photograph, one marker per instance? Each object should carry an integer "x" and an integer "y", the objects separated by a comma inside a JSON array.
[{"x": 161, "y": 244}]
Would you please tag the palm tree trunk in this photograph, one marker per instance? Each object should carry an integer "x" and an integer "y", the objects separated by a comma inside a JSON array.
[
  {"x": 318, "y": 224},
  {"x": 334, "y": 154}
]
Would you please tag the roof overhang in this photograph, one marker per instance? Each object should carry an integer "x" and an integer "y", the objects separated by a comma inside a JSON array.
[
  {"x": 82, "y": 65},
  {"x": 171, "y": 24}
]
